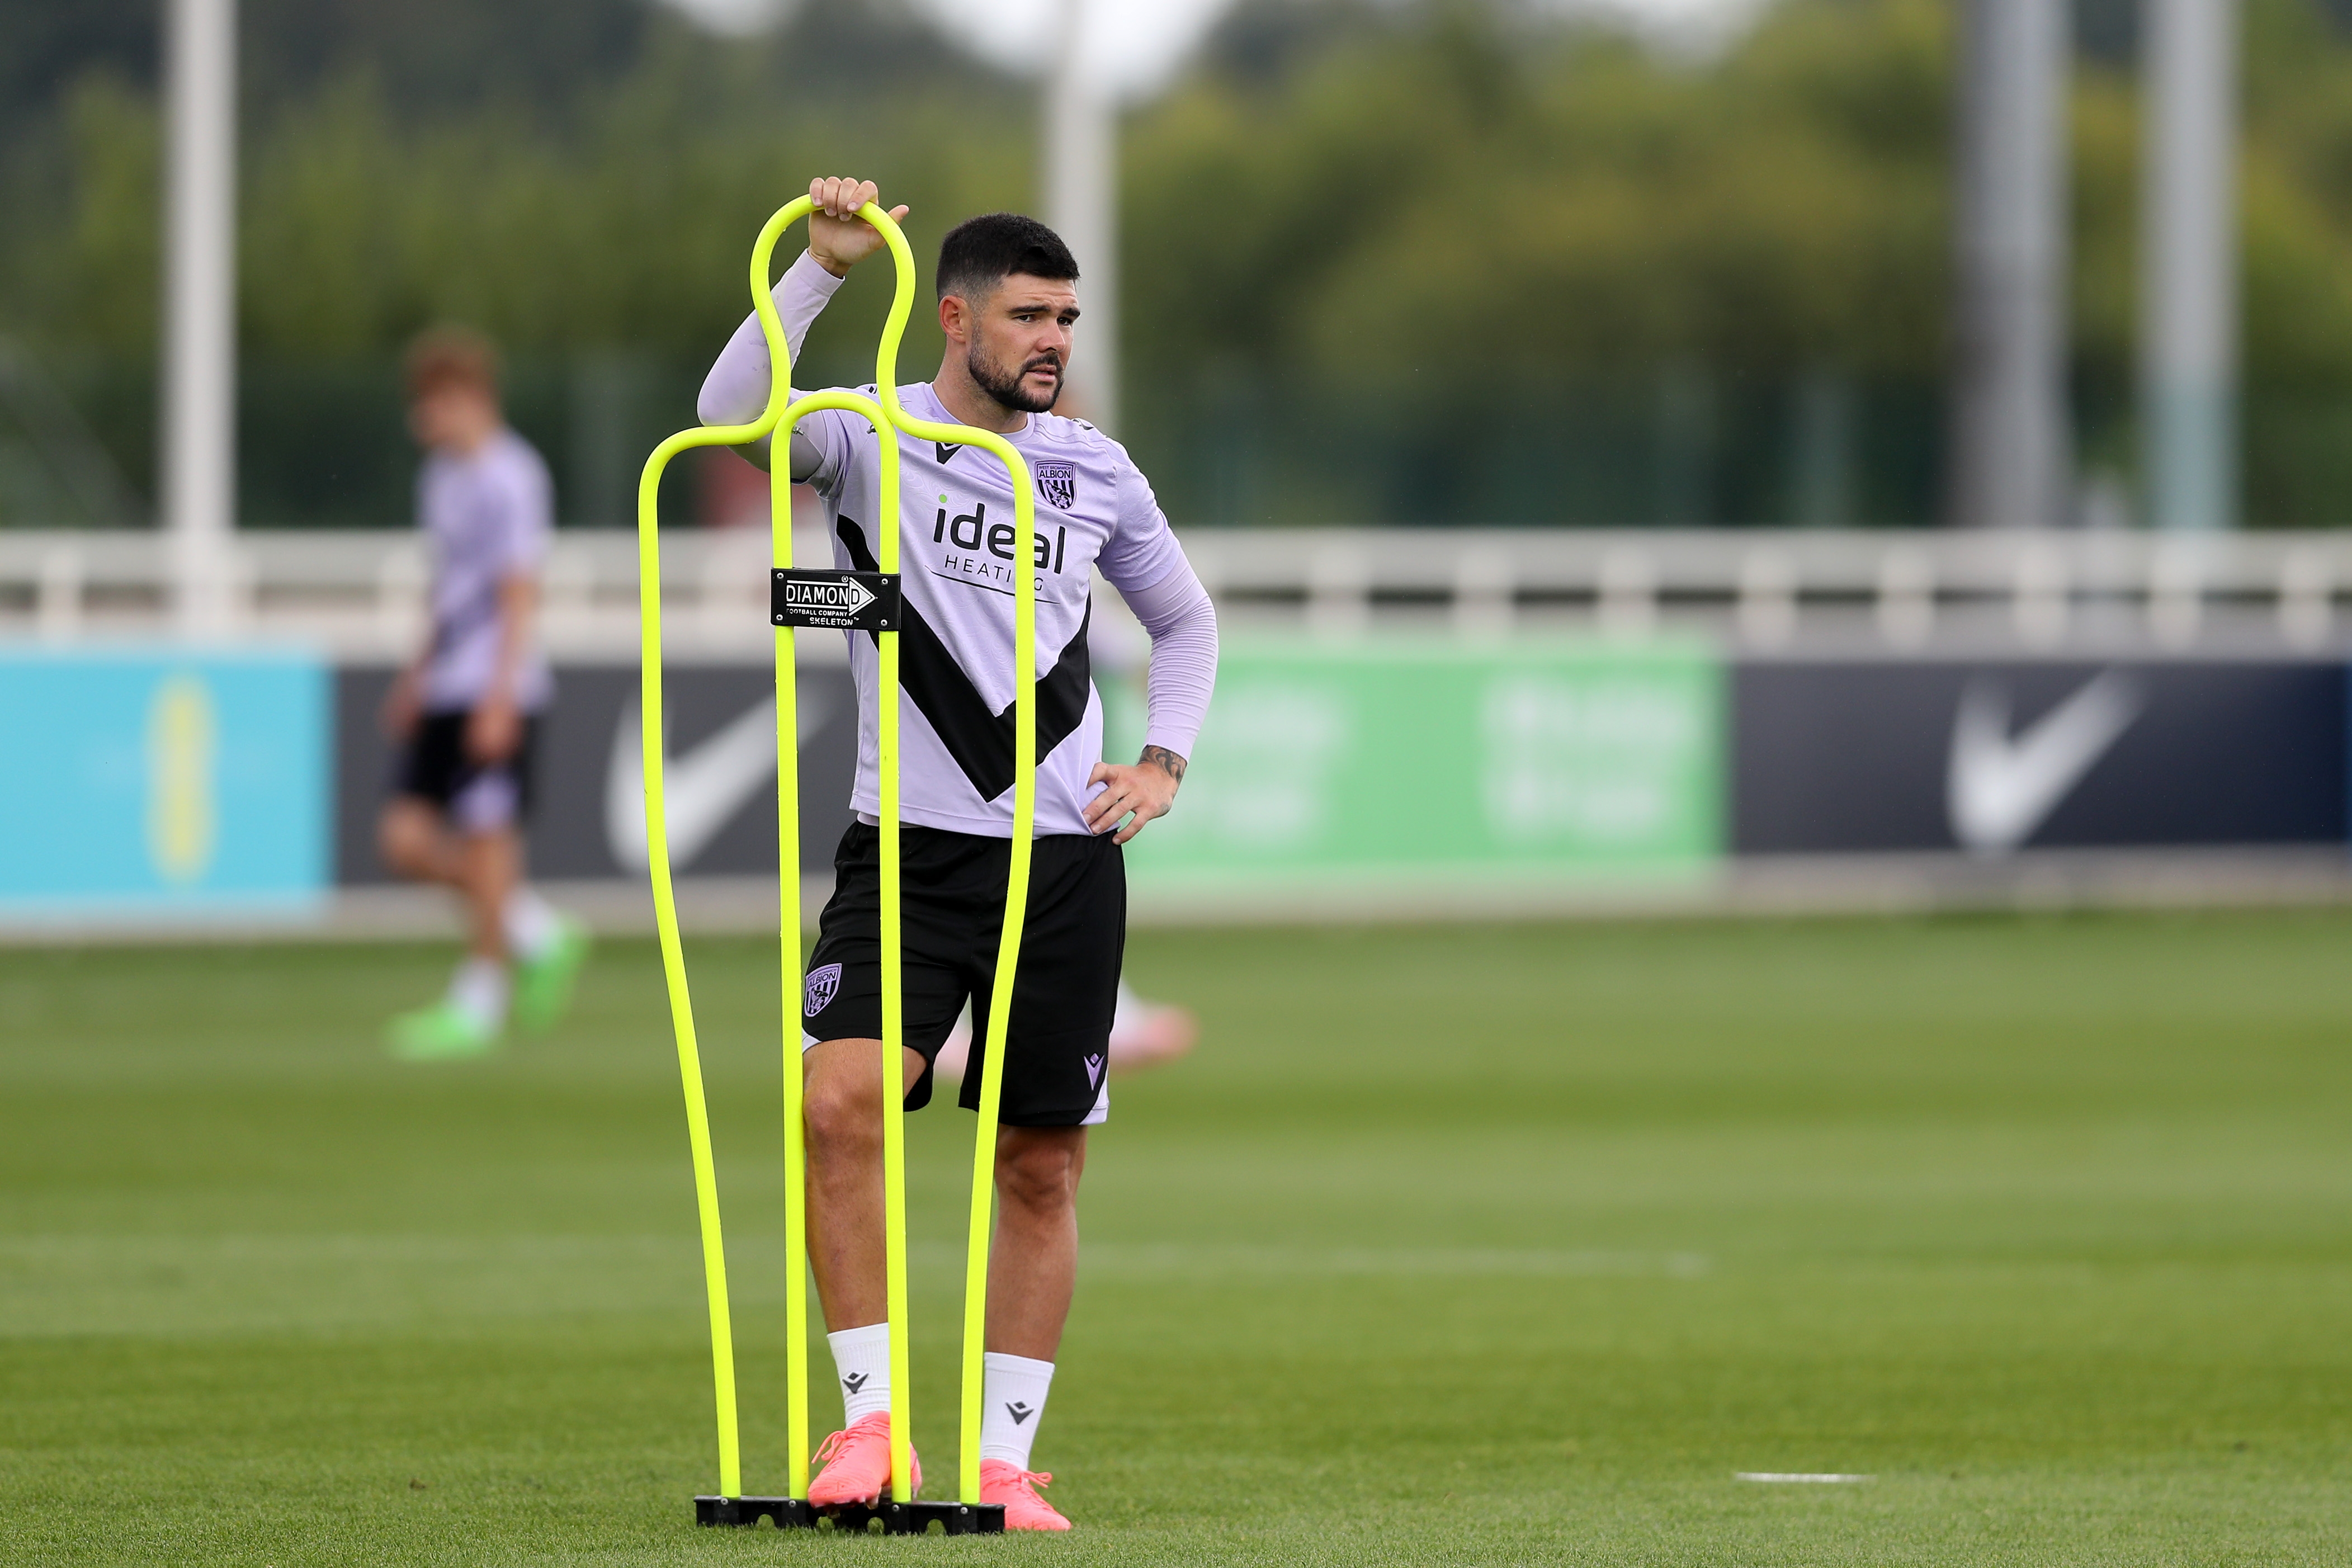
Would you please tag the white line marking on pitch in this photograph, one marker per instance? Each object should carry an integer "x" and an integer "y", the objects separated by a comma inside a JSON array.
[{"x": 1791, "y": 1478}]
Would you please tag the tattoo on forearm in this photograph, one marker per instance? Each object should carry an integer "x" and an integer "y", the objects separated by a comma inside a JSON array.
[{"x": 1166, "y": 761}]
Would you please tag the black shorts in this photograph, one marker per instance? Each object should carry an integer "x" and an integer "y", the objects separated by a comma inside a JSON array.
[
  {"x": 476, "y": 797},
  {"x": 1058, "y": 1048}
]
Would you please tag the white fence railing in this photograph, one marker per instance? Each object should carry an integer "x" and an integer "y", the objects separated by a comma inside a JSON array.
[{"x": 363, "y": 594}]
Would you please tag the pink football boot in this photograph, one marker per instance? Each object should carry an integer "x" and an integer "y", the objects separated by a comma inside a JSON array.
[
  {"x": 857, "y": 1465},
  {"x": 1003, "y": 1481}
]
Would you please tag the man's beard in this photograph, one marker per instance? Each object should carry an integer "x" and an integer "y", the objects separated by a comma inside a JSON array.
[{"x": 1005, "y": 387}]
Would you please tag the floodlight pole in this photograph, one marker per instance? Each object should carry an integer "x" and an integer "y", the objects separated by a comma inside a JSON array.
[
  {"x": 1082, "y": 206},
  {"x": 199, "y": 489},
  {"x": 2012, "y": 440},
  {"x": 2188, "y": 263}
]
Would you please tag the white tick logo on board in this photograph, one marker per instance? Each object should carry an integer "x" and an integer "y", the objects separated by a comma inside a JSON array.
[{"x": 1999, "y": 788}]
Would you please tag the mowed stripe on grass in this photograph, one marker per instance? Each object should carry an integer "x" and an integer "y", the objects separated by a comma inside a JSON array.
[{"x": 1512, "y": 1244}]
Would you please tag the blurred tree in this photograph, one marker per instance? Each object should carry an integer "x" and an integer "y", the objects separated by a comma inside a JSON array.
[
  {"x": 1384, "y": 258},
  {"x": 47, "y": 47},
  {"x": 582, "y": 182},
  {"x": 1447, "y": 196},
  {"x": 1388, "y": 209},
  {"x": 416, "y": 162},
  {"x": 1447, "y": 206}
]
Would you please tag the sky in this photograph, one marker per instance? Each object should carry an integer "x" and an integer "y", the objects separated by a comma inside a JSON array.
[{"x": 1139, "y": 44}]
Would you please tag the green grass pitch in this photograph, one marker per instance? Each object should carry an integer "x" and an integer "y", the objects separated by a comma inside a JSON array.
[{"x": 1467, "y": 1245}]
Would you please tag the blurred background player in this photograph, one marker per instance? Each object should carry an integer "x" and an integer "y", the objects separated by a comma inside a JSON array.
[{"x": 463, "y": 711}]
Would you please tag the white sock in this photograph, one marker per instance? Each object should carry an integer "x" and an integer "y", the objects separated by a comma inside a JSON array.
[
  {"x": 862, "y": 1357},
  {"x": 531, "y": 922},
  {"x": 1013, "y": 1401},
  {"x": 478, "y": 990}
]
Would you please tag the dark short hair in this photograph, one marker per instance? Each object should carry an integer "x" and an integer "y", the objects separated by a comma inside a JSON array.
[
  {"x": 981, "y": 252},
  {"x": 450, "y": 356}
]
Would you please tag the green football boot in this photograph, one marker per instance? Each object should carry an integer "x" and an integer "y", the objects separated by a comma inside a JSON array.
[
  {"x": 439, "y": 1033},
  {"x": 542, "y": 985}
]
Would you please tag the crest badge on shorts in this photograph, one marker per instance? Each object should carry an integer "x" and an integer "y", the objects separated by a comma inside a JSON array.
[
  {"x": 1058, "y": 482},
  {"x": 821, "y": 984}
]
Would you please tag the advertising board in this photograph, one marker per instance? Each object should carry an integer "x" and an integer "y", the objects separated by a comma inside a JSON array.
[
  {"x": 1396, "y": 764},
  {"x": 154, "y": 782},
  {"x": 1991, "y": 757},
  {"x": 587, "y": 817},
  {"x": 1373, "y": 763}
]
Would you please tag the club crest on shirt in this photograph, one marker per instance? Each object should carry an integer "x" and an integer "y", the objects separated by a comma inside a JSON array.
[
  {"x": 821, "y": 984},
  {"x": 1058, "y": 482}
]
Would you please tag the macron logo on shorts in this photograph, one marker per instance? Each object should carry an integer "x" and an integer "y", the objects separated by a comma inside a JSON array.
[
  {"x": 821, "y": 984},
  {"x": 1095, "y": 1070}
]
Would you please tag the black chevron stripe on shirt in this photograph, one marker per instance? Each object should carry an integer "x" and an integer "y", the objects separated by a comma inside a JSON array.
[{"x": 980, "y": 739}]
